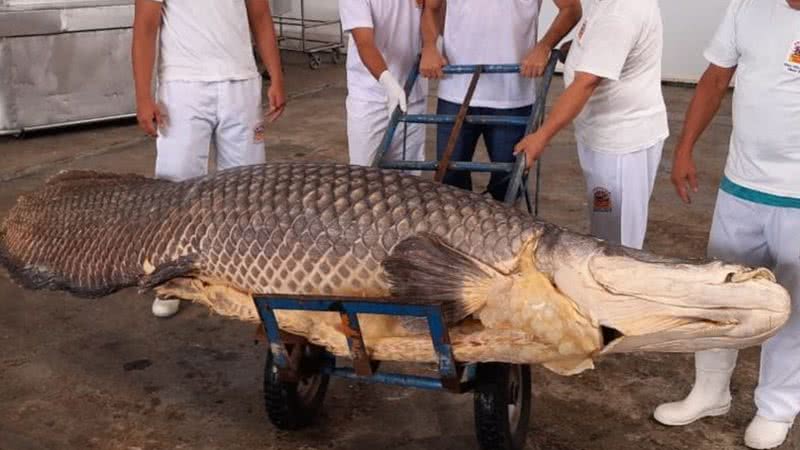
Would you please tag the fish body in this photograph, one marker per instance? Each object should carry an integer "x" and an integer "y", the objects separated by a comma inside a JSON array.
[{"x": 514, "y": 288}]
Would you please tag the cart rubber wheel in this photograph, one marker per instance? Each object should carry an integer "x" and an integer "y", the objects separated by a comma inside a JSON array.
[
  {"x": 314, "y": 61},
  {"x": 336, "y": 56},
  {"x": 502, "y": 405},
  {"x": 291, "y": 406}
]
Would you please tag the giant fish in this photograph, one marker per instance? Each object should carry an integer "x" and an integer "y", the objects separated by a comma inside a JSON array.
[{"x": 514, "y": 289}]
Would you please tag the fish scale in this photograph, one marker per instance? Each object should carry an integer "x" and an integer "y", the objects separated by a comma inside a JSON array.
[{"x": 297, "y": 229}]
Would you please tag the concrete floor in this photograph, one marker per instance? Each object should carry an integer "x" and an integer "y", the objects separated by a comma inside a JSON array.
[{"x": 105, "y": 374}]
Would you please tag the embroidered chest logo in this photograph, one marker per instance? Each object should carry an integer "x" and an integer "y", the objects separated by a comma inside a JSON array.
[
  {"x": 794, "y": 57},
  {"x": 793, "y": 60}
]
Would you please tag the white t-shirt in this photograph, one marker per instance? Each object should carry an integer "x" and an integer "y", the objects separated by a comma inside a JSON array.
[
  {"x": 762, "y": 38},
  {"x": 205, "y": 40},
  {"x": 620, "y": 41},
  {"x": 396, "y": 26},
  {"x": 495, "y": 32}
]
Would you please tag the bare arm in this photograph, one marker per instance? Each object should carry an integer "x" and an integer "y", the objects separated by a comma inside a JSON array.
[
  {"x": 146, "y": 23},
  {"x": 368, "y": 51},
  {"x": 432, "y": 60},
  {"x": 710, "y": 92},
  {"x": 564, "y": 111},
  {"x": 569, "y": 13},
  {"x": 711, "y": 89},
  {"x": 263, "y": 29}
]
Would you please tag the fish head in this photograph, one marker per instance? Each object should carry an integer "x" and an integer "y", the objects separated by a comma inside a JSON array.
[{"x": 643, "y": 302}]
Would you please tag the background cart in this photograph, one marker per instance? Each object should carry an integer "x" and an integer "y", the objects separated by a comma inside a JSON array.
[{"x": 305, "y": 40}]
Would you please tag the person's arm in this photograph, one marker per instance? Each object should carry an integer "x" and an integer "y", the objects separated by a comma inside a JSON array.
[
  {"x": 710, "y": 91},
  {"x": 374, "y": 62},
  {"x": 260, "y": 18},
  {"x": 368, "y": 51},
  {"x": 432, "y": 60},
  {"x": 146, "y": 23},
  {"x": 535, "y": 62},
  {"x": 564, "y": 111}
]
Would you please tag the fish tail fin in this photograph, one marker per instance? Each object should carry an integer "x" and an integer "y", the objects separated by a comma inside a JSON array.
[
  {"x": 424, "y": 268},
  {"x": 71, "y": 233}
]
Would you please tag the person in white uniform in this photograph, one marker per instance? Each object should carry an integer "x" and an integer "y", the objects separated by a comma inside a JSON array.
[
  {"x": 384, "y": 44},
  {"x": 208, "y": 85},
  {"x": 475, "y": 32},
  {"x": 614, "y": 97},
  {"x": 757, "y": 215}
]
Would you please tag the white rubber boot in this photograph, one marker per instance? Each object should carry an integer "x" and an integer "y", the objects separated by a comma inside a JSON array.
[
  {"x": 763, "y": 433},
  {"x": 710, "y": 395},
  {"x": 165, "y": 308}
]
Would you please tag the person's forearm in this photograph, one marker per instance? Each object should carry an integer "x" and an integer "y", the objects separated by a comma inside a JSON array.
[
  {"x": 372, "y": 58},
  {"x": 431, "y": 18},
  {"x": 566, "y": 108},
  {"x": 267, "y": 45},
  {"x": 566, "y": 19},
  {"x": 143, "y": 56},
  {"x": 702, "y": 109}
]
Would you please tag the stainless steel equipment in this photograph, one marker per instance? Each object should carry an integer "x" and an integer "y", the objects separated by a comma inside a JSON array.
[{"x": 64, "y": 62}]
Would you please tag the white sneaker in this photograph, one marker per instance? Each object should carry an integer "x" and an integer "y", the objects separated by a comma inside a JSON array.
[
  {"x": 710, "y": 395},
  {"x": 165, "y": 308},
  {"x": 763, "y": 433}
]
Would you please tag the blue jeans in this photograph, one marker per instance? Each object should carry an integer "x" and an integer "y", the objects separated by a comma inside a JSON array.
[{"x": 499, "y": 139}]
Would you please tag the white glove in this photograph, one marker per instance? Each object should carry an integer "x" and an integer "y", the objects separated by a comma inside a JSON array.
[{"x": 396, "y": 95}]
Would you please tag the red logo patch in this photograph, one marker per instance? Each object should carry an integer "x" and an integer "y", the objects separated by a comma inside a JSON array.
[
  {"x": 258, "y": 133},
  {"x": 602, "y": 200}
]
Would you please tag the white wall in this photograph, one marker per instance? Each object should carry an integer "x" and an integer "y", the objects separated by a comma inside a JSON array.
[{"x": 688, "y": 26}]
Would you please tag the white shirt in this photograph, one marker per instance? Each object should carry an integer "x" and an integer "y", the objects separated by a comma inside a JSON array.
[
  {"x": 620, "y": 41},
  {"x": 490, "y": 32},
  {"x": 205, "y": 40},
  {"x": 762, "y": 38},
  {"x": 396, "y": 26}
]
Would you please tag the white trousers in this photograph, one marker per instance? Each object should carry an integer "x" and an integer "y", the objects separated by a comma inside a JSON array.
[
  {"x": 760, "y": 235},
  {"x": 366, "y": 124},
  {"x": 619, "y": 187},
  {"x": 228, "y": 111}
]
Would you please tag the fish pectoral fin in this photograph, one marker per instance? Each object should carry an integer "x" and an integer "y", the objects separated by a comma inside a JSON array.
[
  {"x": 425, "y": 268},
  {"x": 162, "y": 273}
]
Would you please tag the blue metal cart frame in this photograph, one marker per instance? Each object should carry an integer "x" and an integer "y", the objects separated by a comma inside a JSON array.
[
  {"x": 364, "y": 368},
  {"x": 517, "y": 171}
]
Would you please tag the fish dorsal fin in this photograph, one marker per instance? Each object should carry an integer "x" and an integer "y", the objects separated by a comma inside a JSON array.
[{"x": 424, "y": 267}]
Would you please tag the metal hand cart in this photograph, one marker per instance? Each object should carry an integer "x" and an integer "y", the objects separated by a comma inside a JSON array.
[
  {"x": 297, "y": 373},
  {"x": 517, "y": 172},
  {"x": 313, "y": 47}
]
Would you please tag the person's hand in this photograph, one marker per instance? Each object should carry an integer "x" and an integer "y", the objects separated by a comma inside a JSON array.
[
  {"x": 150, "y": 117},
  {"x": 431, "y": 63},
  {"x": 535, "y": 62},
  {"x": 277, "y": 101},
  {"x": 684, "y": 174},
  {"x": 395, "y": 94},
  {"x": 533, "y": 145}
]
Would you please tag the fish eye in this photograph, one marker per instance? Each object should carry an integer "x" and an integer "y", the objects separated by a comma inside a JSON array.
[{"x": 729, "y": 277}]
